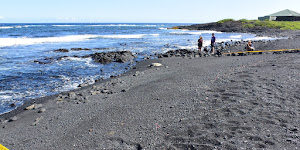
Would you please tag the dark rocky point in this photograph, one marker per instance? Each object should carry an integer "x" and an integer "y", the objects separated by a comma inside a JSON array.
[
  {"x": 121, "y": 57},
  {"x": 13, "y": 105},
  {"x": 80, "y": 49},
  {"x": 61, "y": 50}
]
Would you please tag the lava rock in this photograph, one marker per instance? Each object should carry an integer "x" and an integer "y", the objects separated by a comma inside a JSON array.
[
  {"x": 121, "y": 57},
  {"x": 13, "y": 105},
  {"x": 42, "y": 110},
  {"x": 61, "y": 50}
]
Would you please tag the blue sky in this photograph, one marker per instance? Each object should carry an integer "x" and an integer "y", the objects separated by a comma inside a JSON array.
[{"x": 138, "y": 11}]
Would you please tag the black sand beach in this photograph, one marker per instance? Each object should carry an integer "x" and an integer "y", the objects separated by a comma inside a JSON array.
[{"x": 242, "y": 102}]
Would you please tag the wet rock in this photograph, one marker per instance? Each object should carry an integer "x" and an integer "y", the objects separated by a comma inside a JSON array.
[
  {"x": 80, "y": 49},
  {"x": 136, "y": 73},
  {"x": 50, "y": 60},
  {"x": 37, "y": 106},
  {"x": 156, "y": 65},
  {"x": 72, "y": 95},
  {"x": 14, "y": 118},
  {"x": 105, "y": 91},
  {"x": 121, "y": 57},
  {"x": 86, "y": 83},
  {"x": 42, "y": 110},
  {"x": 30, "y": 107},
  {"x": 101, "y": 48},
  {"x": 13, "y": 105},
  {"x": 61, "y": 50},
  {"x": 94, "y": 92}
]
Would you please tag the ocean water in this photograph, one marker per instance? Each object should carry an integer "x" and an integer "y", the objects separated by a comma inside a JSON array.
[{"x": 21, "y": 45}]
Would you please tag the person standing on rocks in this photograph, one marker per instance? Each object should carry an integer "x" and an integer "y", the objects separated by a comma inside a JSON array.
[
  {"x": 212, "y": 44},
  {"x": 200, "y": 43}
]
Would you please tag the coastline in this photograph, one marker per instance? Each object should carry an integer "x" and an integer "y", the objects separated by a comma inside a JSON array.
[{"x": 151, "y": 103}]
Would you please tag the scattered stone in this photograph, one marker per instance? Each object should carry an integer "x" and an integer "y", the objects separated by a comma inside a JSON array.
[
  {"x": 14, "y": 118},
  {"x": 156, "y": 65},
  {"x": 13, "y": 105},
  {"x": 86, "y": 83},
  {"x": 42, "y": 110},
  {"x": 3, "y": 121},
  {"x": 72, "y": 95},
  {"x": 61, "y": 50},
  {"x": 37, "y": 106},
  {"x": 94, "y": 92},
  {"x": 105, "y": 91},
  {"x": 80, "y": 49},
  {"x": 124, "y": 90},
  {"x": 30, "y": 107},
  {"x": 37, "y": 120},
  {"x": 136, "y": 73}
]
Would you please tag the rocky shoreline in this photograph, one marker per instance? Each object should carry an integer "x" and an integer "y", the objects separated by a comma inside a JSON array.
[{"x": 237, "y": 26}]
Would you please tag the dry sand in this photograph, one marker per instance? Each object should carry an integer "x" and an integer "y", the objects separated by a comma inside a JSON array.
[{"x": 247, "y": 102}]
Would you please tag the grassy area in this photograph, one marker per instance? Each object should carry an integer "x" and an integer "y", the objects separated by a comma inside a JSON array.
[
  {"x": 225, "y": 20},
  {"x": 283, "y": 25}
]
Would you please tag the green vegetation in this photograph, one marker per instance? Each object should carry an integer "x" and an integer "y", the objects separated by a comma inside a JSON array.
[
  {"x": 283, "y": 25},
  {"x": 225, "y": 20},
  {"x": 249, "y": 25},
  {"x": 247, "y": 21}
]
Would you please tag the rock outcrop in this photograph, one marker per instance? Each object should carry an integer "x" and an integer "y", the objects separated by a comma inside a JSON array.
[{"x": 121, "y": 57}]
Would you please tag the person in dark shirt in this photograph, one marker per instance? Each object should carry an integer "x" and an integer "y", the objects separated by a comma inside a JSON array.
[
  {"x": 200, "y": 43},
  {"x": 212, "y": 44}
]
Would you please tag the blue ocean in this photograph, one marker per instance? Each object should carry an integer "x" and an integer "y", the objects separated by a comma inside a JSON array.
[{"x": 23, "y": 45}]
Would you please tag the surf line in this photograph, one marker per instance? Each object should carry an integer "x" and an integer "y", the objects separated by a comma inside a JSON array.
[{"x": 261, "y": 51}]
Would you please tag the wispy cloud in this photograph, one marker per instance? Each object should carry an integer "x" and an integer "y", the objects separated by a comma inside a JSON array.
[{"x": 1, "y": 17}]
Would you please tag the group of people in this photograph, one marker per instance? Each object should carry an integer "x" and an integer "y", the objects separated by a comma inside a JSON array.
[
  {"x": 212, "y": 43},
  {"x": 249, "y": 46}
]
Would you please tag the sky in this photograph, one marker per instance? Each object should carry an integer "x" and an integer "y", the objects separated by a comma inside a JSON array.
[{"x": 138, "y": 11}]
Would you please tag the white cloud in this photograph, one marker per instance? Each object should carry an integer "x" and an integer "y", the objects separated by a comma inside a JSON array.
[{"x": 1, "y": 17}]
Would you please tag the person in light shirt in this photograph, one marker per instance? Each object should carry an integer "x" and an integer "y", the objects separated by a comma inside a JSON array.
[{"x": 250, "y": 46}]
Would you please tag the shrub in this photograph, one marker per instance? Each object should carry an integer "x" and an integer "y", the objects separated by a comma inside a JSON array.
[
  {"x": 244, "y": 21},
  {"x": 225, "y": 20},
  {"x": 249, "y": 26},
  {"x": 283, "y": 25}
]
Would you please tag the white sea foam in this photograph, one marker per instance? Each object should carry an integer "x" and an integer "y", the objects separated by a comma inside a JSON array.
[
  {"x": 203, "y": 32},
  {"x": 70, "y": 38},
  {"x": 154, "y": 34},
  {"x": 127, "y": 36},
  {"x": 6, "y": 27},
  {"x": 236, "y": 36},
  {"x": 187, "y": 32},
  {"x": 107, "y": 25},
  {"x": 260, "y": 38},
  {"x": 64, "y": 25},
  {"x": 194, "y": 45},
  {"x": 131, "y": 36},
  {"x": 113, "y": 25},
  {"x": 246, "y": 39},
  {"x": 24, "y": 26},
  {"x": 30, "y": 41},
  {"x": 163, "y": 28}
]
